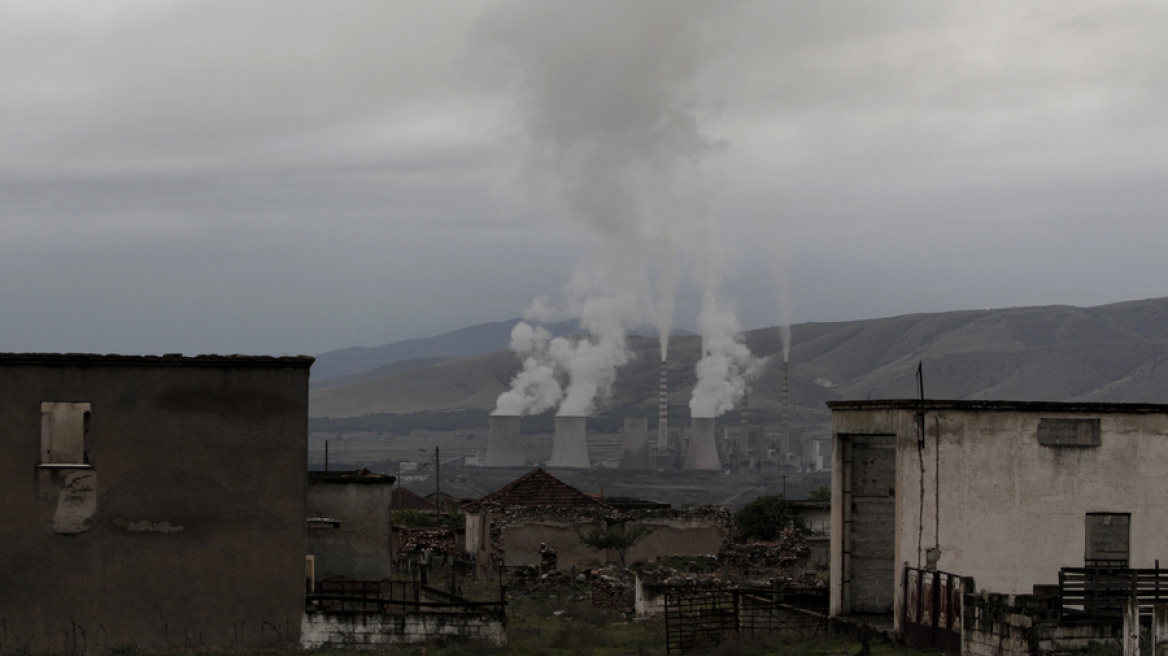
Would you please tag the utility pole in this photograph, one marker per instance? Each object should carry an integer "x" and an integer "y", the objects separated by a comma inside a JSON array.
[{"x": 437, "y": 482}]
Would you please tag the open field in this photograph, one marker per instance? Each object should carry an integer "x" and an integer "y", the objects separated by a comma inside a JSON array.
[
  {"x": 565, "y": 622},
  {"x": 381, "y": 453}
]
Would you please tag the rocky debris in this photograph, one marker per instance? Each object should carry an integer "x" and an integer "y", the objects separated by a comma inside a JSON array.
[
  {"x": 440, "y": 541},
  {"x": 613, "y": 588}
]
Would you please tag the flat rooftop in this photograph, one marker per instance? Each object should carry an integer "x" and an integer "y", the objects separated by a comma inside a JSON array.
[
  {"x": 169, "y": 359},
  {"x": 1001, "y": 406}
]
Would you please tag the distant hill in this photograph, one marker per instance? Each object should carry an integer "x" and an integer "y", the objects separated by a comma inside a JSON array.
[
  {"x": 473, "y": 340},
  {"x": 1116, "y": 352},
  {"x": 347, "y": 365}
]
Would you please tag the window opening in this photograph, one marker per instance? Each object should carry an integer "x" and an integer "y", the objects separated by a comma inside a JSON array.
[{"x": 64, "y": 433}]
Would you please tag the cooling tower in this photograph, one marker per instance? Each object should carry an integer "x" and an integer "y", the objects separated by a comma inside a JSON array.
[
  {"x": 503, "y": 448},
  {"x": 568, "y": 447},
  {"x": 663, "y": 415},
  {"x": 635, "y": 454},
  {"x": 702, "y": 454}
]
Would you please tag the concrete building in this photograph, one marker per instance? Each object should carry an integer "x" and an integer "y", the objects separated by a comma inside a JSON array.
[
  {"x": 1004, "y": 492},
  {"x": 152, "y": 502},
  {"x": 349, "y": 524}
]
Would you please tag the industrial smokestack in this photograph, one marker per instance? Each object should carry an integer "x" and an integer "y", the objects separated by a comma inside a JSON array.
[
  {"x": 663, "y": 413},
  {"x": 786, "y": 441},
  {"x": 569, "y": 448},
  {"x": 635, "y": 454},
  {"x": 503, "y": 447},
  {"x": 702, "y": 454}
]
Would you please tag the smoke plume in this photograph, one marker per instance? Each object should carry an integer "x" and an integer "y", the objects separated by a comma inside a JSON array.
[
  {"x": 535, "y": 388},
  {"x": 611, "y": 120},
  {"x": 726, "y": 366}
]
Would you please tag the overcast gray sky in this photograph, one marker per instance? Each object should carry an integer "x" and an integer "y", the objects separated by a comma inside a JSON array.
[{"x": 293, "y": 177}]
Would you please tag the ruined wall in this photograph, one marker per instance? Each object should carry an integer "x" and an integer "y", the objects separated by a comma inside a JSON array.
[
  {"x": 1025, "y": 625},
  {"x": 676, "y": 537},
  {"x": 185, "y": 528},
  {"x": 359, "y": 547},
  {"x": 515, "y": 534},
  {"x": 521, "y": 542},
  {"x": 371, "y": 630}
]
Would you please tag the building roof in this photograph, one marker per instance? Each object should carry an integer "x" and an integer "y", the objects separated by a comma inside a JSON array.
[
  {"x": 169, "y": 359},
  {"x": 358, "y": 476},
  {"x": 537, "y": 488},
  {"x": 1000, "y": 406},
  {"x": 403, "y": 499}
]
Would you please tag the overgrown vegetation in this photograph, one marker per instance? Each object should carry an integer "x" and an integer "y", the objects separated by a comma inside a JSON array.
[
  {"x": 821, "y": 493},
  {"x": 419, "y": 519},
  {"x": 617, "y": 538},
  {"x": 766, "y": 517}
]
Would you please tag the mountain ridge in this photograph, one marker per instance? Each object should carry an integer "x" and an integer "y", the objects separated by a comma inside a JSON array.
[{"x": 1116, "y": 352}]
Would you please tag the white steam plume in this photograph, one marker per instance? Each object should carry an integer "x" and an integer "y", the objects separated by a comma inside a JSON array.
[
  {"x": 667, "y": 282},
  {"x": 535, "y": 388},
  {"x": 726, "y": 366},
  {"x": 604, "y": 89}
]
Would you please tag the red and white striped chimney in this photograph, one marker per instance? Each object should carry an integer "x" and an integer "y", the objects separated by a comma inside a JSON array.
[{"x": 663, "y": 413}]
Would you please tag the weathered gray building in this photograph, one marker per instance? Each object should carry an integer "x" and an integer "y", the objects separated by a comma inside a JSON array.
[
  {"x": 152, "y": 501},
  {"x": 349, "y": 524},
  {"x": 1004, "y": 492}
]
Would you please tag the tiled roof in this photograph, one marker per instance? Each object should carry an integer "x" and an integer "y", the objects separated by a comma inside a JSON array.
[
  {"x": 537, "y": 488},
  {"x": 403, "y": 499}
]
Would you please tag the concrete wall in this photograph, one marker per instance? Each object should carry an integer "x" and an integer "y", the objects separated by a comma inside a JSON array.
[
  {"x": 521, "y": 542},
  {"x": 1000, "y": 506},
  {"x": 360, "y": 547},
  {"x": 676, "y": 537},
  {"x": 185, "y": 530},
  {"x": 374, "y": 630}
]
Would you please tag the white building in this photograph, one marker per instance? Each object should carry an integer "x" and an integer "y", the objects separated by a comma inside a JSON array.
[{"x": 1007, "y": 493}]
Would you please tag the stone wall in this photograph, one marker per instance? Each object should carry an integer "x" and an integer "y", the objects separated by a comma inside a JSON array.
[
  {"x": 373, "y": 630},
  {"x": 1025, "y": 625}
]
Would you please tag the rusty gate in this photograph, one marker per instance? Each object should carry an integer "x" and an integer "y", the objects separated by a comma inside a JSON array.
[{"x": 932, "y": 609}]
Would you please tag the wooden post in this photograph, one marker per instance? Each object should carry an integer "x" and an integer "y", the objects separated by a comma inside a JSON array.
[{"x": 1131, "y": 627}]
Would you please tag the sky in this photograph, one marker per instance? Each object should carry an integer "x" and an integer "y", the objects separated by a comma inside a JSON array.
[{"x": 291, "y": 177}]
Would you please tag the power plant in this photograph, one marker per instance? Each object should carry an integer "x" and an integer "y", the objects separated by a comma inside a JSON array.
[{"x": 702, "y": 446}]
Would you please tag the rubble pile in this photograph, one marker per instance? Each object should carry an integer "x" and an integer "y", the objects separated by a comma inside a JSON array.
[
  {"x": 760, "y": 557},
  {"x": 610, "y": 591},
  {"x": 440, "y": 541}
]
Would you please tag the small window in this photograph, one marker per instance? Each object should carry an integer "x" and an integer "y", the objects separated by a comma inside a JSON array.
[
  {"x": 64, "y": 433},
  {"x": 1108, "y": 539},
  {"x": 1069, "y": 432}
]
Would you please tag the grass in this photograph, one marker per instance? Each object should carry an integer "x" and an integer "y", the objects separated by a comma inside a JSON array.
[{"x": 565, "y": 622}]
